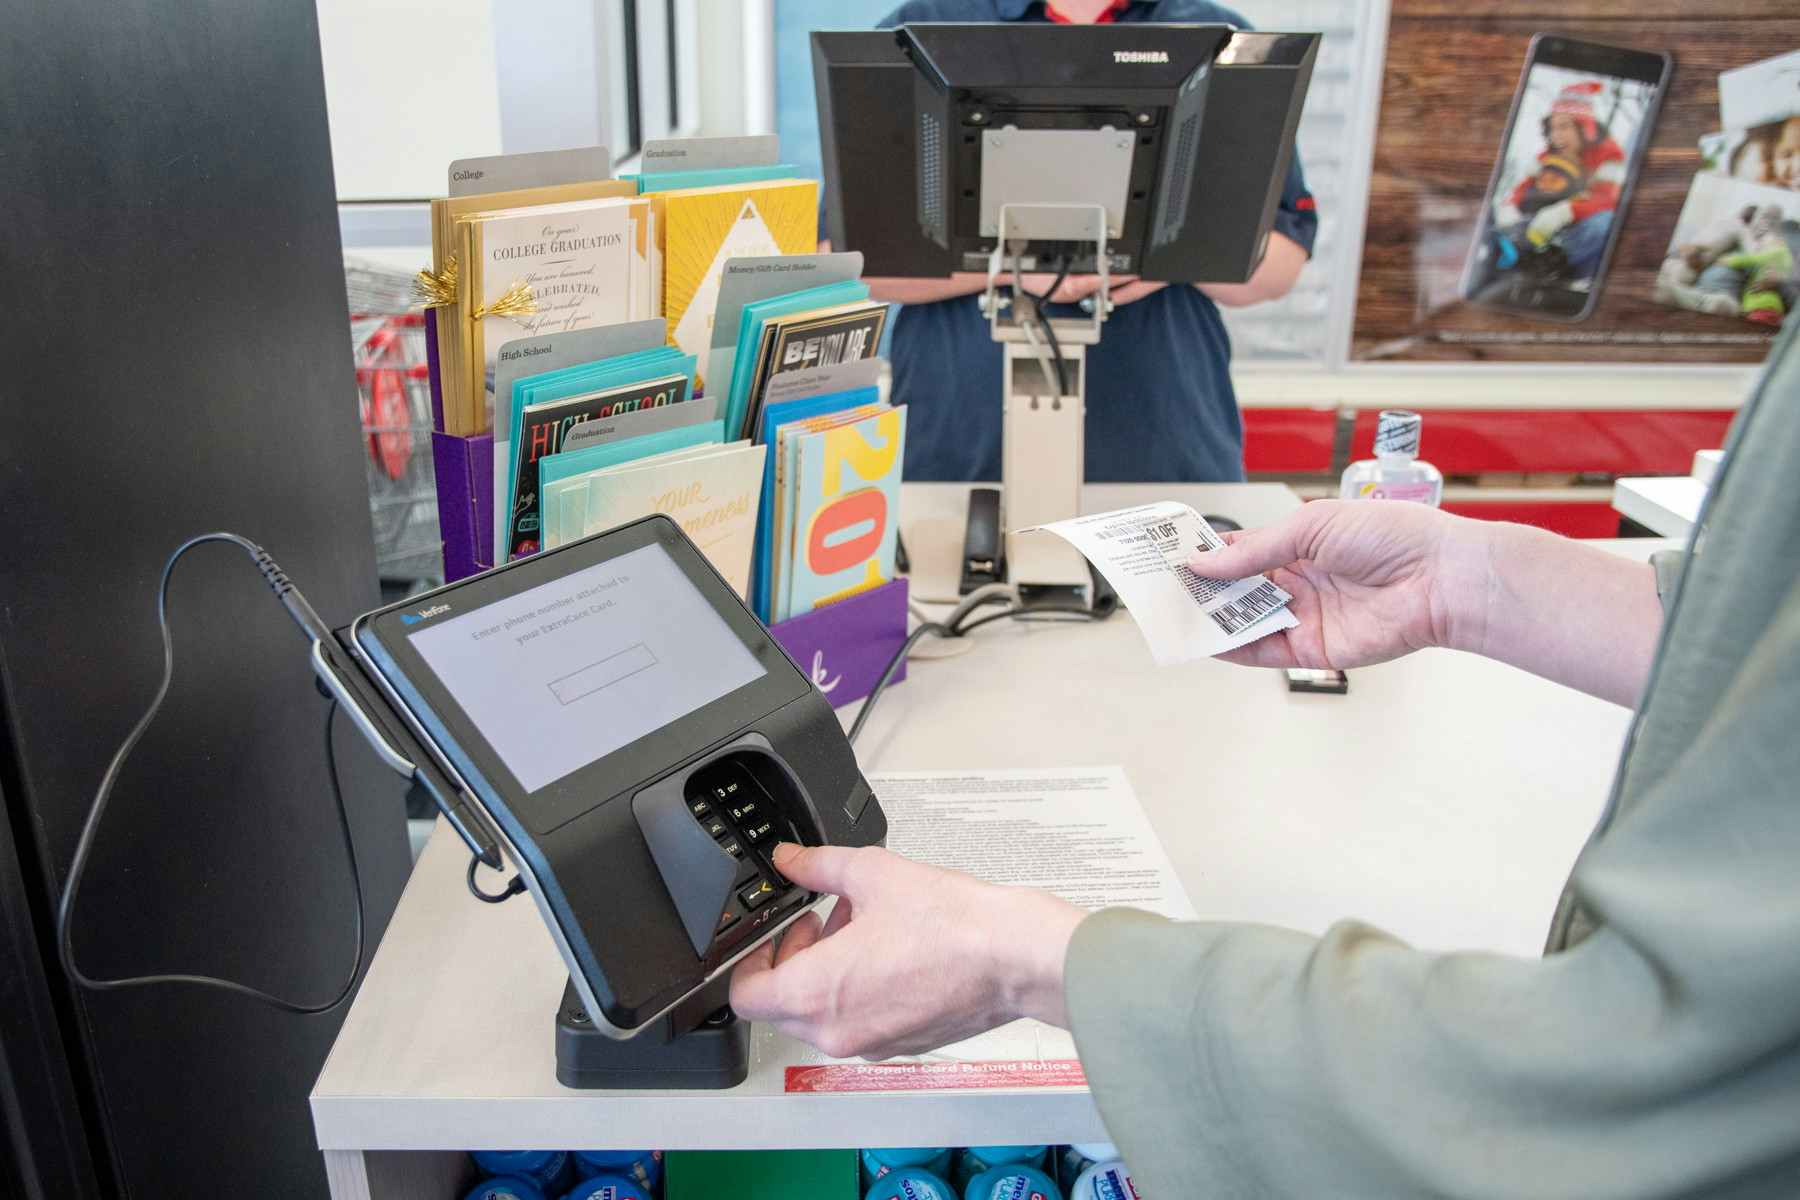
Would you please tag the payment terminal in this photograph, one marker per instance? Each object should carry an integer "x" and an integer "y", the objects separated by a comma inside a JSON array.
[{"x": 610, "y": 718}]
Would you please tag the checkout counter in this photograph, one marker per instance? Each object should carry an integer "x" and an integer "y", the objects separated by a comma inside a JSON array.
[{"x": 1444, "y": 799}]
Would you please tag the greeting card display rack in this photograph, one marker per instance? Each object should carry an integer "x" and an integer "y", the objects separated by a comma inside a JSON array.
[{"x": 843, "y": 647}]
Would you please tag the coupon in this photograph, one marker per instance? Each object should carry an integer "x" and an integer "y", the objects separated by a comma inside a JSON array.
[{"x": 1143, "y": 553}]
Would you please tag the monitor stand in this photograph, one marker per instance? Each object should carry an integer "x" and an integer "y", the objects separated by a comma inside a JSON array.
[
  {"x": 714, "y": 1054},
  {"x": 1043, "y": 398}
]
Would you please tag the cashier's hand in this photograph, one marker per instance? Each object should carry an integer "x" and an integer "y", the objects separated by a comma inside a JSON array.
[
  {"x": 1371, "y": 580},
  {"x": 914, "y": 957},
  {"x": 1123, "y": 289}
]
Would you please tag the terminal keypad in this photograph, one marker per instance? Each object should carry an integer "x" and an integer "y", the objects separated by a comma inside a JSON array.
[{"x": 737, "y": 813}]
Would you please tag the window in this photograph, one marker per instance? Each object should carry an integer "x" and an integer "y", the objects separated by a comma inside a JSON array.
[
  {"x": 650, "y": 56},
  {"x": 1311, "y": 324}
]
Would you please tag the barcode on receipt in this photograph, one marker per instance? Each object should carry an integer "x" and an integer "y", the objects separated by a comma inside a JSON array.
[{"x": 1247, "y": 609}]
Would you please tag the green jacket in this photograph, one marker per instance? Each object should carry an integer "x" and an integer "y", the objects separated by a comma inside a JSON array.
[{"x": 1654, "y": 1051}]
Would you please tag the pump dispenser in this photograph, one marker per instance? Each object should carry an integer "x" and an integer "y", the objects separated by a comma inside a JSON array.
[{"x": 1396, "y": 472}]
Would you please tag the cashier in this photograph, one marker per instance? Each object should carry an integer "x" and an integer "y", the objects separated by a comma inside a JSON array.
[
  {"x": 1160, "y": 404},
  {"x": 1654, "y": 1050}
]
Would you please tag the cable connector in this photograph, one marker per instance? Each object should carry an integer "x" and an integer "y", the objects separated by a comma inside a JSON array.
[
  {"x": 513, "y": 887},
  {"x": 291, "y": 597}
]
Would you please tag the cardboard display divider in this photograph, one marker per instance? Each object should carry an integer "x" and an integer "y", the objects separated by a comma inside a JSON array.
[{"x": 844, "y": 646}]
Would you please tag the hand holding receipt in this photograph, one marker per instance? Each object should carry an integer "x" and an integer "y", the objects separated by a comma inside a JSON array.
[{"x": 1143, "y": 553}]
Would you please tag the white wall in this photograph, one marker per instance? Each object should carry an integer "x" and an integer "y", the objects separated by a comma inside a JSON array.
[
  {"x": 549, "y": 56},
  {"x": 755, "y": 77},
  {"x": 413, "y": 84},
  {"x": 410, "y": 85},
  {"x": 721, "y": 68}
]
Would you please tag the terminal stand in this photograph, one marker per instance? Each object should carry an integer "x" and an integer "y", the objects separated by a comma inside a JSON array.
[
  {"x": 713, "y": 1054},
  {"x": 1042, "y": 454}
]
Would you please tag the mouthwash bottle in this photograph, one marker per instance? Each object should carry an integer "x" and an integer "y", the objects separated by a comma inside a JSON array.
[
  {"x": 642, "y": 1167},
  {"x": 976, "y": 1159},
  {"x": 551, "y": 1170},
  {"x": 878, "y": 1163},
  {"x": 1396, "y": 472}
]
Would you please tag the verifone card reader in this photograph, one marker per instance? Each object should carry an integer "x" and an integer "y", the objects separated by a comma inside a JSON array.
[{"x": 612, "y": 717}]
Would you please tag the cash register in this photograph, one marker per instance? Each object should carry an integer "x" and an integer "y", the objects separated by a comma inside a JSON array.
[{"x": 610, "y": 722}]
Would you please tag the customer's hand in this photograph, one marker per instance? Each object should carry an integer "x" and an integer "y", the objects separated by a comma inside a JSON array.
[
  {"x": 1371, "y": 580},
  {"x": 914, "y": 957}
]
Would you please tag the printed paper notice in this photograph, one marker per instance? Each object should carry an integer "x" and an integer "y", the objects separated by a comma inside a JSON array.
[
  {"x": 1078, "y": 832},
  {"x": 1143, "y": 553}
]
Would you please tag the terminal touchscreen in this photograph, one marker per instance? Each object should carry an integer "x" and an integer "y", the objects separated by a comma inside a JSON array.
[
  {"x": 616, "y": 719},
  {"x": 569, "y": 671}
]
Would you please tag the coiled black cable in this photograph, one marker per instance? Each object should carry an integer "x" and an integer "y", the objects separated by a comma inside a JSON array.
[{"x": 311, "y": 625}]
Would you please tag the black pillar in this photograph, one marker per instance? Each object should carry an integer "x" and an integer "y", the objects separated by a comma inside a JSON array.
[{"x": 174, "y": 358}]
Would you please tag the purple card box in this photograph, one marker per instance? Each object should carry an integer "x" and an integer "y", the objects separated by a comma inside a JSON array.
[
  {"x": 465, "y": 481},
  {"x": 465, "y": 496},
  {"x": 845, "y": 646}
]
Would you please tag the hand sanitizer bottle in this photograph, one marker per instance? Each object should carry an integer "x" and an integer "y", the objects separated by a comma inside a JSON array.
[{"x": 1396, "y": 472}]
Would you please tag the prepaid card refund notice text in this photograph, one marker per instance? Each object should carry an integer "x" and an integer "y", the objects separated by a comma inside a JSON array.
[{"x": 1143, "y": 553}]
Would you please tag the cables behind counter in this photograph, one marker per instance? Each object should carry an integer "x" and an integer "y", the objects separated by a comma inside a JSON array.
[
  {"x": 963, "y": 620},
  {"x": 1038, "y": 301}
]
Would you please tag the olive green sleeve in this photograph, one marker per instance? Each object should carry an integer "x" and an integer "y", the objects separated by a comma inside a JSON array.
[{"x": 1659, "y": 1057}]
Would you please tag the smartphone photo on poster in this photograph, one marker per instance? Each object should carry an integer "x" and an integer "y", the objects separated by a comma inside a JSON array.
[{"x": 1580, "y": 124}]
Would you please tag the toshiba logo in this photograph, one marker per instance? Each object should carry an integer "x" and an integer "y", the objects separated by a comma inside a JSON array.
[{"x": 1140, "y": 56}]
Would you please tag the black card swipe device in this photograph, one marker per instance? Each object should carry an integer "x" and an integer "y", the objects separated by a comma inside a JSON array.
[{"x": 612, "y": 718}]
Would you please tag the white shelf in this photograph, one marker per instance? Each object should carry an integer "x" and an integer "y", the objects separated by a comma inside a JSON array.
[
  {"x": 1466, "y": 493},
  {"x": 1667, "y": 504},
  {"x": 1438, "y": 387}
]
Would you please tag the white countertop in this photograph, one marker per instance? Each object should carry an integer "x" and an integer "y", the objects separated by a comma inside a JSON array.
[{"x": 1444, "y": 799}]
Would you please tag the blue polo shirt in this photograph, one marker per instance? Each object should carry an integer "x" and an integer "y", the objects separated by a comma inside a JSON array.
[{"x": 1160, "y": 405}]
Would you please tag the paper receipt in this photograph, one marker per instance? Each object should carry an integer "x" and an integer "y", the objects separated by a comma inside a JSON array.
[{"x": 1143, "y": 553}]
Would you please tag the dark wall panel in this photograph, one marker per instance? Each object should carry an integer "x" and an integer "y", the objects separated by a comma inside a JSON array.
[
  {"x": 45, "y": 1153},
  {"x": 175, "y": 359}
]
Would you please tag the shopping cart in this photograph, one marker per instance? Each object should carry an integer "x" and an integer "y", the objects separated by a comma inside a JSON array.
[{"x": 394, "y": 394}]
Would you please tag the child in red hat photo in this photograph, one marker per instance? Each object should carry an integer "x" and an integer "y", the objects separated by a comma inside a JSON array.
[
  {"x": 1559, "y": 189},
  {"x": 1568, "y": 205}
]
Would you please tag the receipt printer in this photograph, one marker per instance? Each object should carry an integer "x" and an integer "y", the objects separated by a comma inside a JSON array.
[{"x": 612, "y": 719}]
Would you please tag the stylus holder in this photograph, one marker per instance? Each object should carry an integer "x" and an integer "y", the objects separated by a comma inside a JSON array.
[{"x": 713, "y": 1054}]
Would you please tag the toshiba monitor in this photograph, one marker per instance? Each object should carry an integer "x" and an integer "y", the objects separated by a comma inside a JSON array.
[{"x": 932, "y": 135}]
